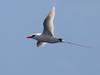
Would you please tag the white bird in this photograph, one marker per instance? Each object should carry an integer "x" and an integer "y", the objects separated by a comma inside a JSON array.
[
  {"x": 47, "y": 36},
  {"x": 48, "y": 33}
]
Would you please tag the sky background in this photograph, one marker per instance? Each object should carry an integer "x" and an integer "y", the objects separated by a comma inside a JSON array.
[{"x": 77, "y": 21}]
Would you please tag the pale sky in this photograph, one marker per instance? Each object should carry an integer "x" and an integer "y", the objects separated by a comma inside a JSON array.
[{"x": 77, "y": 21}]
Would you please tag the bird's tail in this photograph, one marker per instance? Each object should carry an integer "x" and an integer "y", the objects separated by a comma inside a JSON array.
[{"x": 77, "y": 44}]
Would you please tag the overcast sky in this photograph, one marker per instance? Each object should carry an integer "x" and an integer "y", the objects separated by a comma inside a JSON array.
[{"x": 77, "y": 21}]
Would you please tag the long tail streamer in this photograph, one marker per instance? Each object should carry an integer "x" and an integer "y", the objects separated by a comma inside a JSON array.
[{"x": 77, "y": 44}]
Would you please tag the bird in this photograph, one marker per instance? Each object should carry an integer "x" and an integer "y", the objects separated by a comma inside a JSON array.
[{"x": 47, "y": 36}]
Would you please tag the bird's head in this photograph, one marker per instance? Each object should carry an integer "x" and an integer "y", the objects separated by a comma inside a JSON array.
[
  {"x": 31, "y": 37},
  {"x": 34, "y": 36}
]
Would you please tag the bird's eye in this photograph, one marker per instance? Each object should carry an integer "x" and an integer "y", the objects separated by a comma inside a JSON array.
[{"x": 33, "y": 35}]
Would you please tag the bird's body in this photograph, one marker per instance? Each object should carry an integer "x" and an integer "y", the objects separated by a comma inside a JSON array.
[{"x": 46, "y": 38}]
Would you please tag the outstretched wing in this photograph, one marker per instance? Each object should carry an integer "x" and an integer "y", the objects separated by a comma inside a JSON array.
[
  {"x": 40, "y": 44},
  {"x": 48, "y": 23}
]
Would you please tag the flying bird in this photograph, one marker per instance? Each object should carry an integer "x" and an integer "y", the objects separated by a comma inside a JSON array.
[{"x": 47, "y": 36}]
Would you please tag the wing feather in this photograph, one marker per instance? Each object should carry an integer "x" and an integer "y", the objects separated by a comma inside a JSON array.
[
  {"x": 48, "y": 23},
  {"x": 40, "y": 44}
]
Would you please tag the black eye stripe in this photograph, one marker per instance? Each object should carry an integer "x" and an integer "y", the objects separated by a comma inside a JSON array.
[{"x": 33, "y": 35}]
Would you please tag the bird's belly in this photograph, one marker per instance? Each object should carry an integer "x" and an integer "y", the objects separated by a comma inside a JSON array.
[{"x": 48, "y": 39}]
